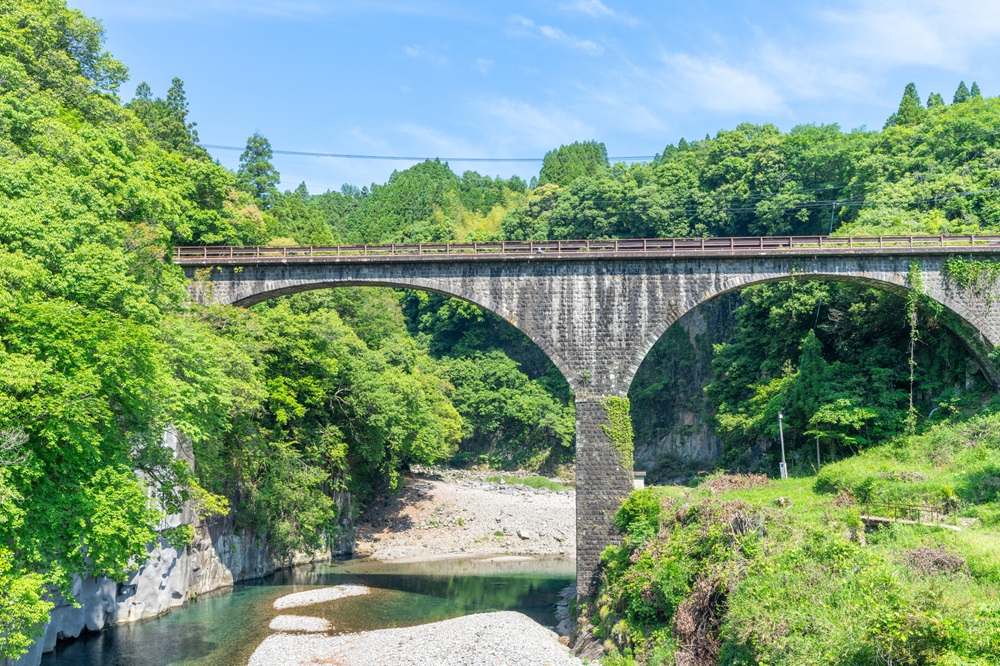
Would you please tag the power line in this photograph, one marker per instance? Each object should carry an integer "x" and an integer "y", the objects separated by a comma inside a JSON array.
[{"x": 411, "y": 158}]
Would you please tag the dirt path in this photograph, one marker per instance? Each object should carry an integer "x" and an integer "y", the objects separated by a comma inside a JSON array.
[{"x": 438, "y": 517}]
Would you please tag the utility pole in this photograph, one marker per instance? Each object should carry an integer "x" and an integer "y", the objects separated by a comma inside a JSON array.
[{"x": 781, "y": 433}]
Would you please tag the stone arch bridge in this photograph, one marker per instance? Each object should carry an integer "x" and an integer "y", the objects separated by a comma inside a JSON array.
[{"x": 597, "y": 307}]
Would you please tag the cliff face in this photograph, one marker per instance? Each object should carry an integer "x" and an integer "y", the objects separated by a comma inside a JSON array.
[
  {"x": 169, "y": 577},
  {"x": 674, "y": 424}
]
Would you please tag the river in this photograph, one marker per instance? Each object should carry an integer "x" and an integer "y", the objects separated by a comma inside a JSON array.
[{"x": 223, "y": 628}]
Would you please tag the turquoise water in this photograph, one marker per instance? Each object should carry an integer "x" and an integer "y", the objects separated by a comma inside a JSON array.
[{"x": 224, "y": 628}]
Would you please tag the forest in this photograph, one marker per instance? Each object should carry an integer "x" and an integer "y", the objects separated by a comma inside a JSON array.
[{"x": 293, "y": 401}]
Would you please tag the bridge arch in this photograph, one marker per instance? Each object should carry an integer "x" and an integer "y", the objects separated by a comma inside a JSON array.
[
  {"x": 491, "y": 305},
  {"x": 955, "y": 314}
]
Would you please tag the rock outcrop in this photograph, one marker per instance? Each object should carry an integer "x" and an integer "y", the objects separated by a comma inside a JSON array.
[{"x": 170, "y": 577}]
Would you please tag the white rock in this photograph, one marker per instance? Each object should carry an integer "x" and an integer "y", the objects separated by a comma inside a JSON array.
[
  {"x": 299, "y": 623},
  {"x": 485, "y": 639},
  {"x": 319, "y": 595}
]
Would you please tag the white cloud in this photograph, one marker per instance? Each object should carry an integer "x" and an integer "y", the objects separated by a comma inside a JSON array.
[
  {"x": 432, "y": 54},
  {"x": 937, "y": 33},
  {"x": 599, "y": 10},
  {"x": 483, "y": 65},
  {"x": 713, "y": 84},
  {"x": 526, "y": 25},
  {"x": 521, "y": 126}
]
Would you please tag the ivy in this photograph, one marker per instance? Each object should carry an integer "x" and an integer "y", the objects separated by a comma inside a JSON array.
[
  {"x": 915, "y": 281},
  {"x": 619, "y": 430},
  {"x": 976, "y": 275}
]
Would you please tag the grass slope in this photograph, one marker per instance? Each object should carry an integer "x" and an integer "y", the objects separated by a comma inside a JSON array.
[{"x": 745, "y": 570}]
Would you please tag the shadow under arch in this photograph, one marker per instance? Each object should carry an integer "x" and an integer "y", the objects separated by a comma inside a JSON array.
[
  {"x": 978, "y": 346},
  {"x": 488, "y": 305}
]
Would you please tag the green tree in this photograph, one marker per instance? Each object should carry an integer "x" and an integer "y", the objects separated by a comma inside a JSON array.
[
  {"x": 256, "y": 174},
  {"x": 961, "y": 94},
  {"x": 911, "y": 109},
  {"x": 567, "y": 163},
  {"x": 974, "y": 92},
  {"x": 934, "y": 100}
]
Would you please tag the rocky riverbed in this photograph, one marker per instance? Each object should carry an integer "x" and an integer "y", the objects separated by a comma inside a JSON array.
[
  {"x": 440, "y": 514},
  {"x": 485, "y": 639}
]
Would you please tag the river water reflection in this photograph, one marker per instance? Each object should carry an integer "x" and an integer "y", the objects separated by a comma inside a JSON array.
[{"x": 224, "y": 628}]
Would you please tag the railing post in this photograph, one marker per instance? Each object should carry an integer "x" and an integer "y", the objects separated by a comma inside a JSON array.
[
  {"x": 942, "y": 240},
  {"x": 475, "y": 247},
  {"x": 821, "y": 242},
  {"x": 447, "y": 248},
  {"x": 365, "y": 251},
  {"x": 205, "y": 250},
  {"x": 972, "y": 240},
  {"x": 588, "y": 245},
  {"x": 673, "y": 244},
  {"x": 850, "y": 242},
  {"x": 256, "y": 251},
  {"x": 703, "y": 243},
  {"x": 911, "y": 241},
  {"x": 732, "y": 245},
  {"x": 789, "y": 242},
  {"x": 880, "y": 240},
  {"x": 230, "y": 251},
  {"x": 761, "y": 239},
  {"x": 616, "y": 245},
  {"x": 644, "y": 245},
  {"x": 338, "y": 250},
  {"x": 392, "y": 249},
  {"x": 420, "y": 248},
  {"x": 284, "y": 252},
  {"x": 310, "y": 250},
  {"x": 559, "y": 246},
  {"x": 503, "y": 247}
]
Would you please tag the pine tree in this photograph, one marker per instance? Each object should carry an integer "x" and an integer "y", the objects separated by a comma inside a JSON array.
[
  {"x": 934, "y": 99},
  {"x": 811, "y": 386},
  {"x": 302, "y": 192},
  {"x": 961, "y": 94},
  {"x": 256, "y": 173},
  {"x": 975, "y": 93},
  {"x": 910, "y": 111},
  {"x": 185, "y": 132}
]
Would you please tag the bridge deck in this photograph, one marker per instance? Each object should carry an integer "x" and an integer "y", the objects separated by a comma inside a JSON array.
[{"x": 627, "y": 248}]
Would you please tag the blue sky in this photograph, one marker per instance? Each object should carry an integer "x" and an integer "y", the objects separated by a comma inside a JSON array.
[{"x": 515, "y": 79}]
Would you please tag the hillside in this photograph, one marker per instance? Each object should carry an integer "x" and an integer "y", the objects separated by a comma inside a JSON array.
[{"x": 748, "y": 570}]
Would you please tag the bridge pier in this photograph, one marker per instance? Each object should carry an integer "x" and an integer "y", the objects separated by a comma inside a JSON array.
[{"x": 601, "y": 485}]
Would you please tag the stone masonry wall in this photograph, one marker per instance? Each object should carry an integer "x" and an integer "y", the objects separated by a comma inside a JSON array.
[{"x": 606, "y": 484}]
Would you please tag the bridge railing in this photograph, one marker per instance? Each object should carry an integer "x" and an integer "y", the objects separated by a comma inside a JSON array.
[{"x": 731, "y": 245}]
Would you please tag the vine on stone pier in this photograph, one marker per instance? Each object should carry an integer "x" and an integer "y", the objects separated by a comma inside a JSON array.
[
  {"x": 619, "y": 430},
  {"x": 915, "y": 281},
  {"x": 977, "y": 275}
]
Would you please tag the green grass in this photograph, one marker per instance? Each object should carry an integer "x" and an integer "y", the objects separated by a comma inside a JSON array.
[
  {"x": 530, "y": 482},
  {"x": 806, "y": 584}
]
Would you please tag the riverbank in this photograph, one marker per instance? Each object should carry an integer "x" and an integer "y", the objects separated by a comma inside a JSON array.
[{"x": 447, "y": 513}]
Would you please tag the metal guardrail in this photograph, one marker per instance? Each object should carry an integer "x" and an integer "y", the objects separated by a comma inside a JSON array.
[
  {"x": 918, "y": 513},
  {"x": 652, "y": 246}
]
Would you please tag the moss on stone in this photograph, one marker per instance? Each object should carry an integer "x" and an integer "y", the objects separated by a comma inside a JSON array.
[{"x": 619, "y": 430}]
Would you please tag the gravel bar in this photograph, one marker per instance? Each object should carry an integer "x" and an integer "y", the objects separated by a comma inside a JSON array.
[
  {"x": 504, "y": 638},
  {"x": 319, "y": 595},
  {"x": 299, "y": 623}
]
